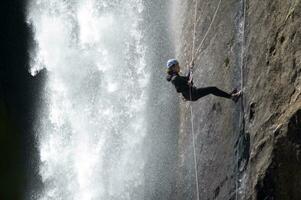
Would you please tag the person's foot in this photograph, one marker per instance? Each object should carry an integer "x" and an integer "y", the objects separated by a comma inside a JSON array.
[
  {"x": 234, "y": 91},
  {"x": 235, "y": 95}
]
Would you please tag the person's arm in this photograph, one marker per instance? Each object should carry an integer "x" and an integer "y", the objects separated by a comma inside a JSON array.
[{"x": 189, "y": 75}]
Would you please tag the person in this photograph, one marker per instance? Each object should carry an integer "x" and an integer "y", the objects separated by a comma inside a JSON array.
[{"x": 184, "y": 85}]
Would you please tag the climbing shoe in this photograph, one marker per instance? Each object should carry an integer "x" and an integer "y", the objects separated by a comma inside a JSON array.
[{"x": 235, "y": 95}]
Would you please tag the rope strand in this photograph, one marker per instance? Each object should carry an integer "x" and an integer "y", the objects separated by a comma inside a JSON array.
[
  {"x": 193, "y": 53},
  {"x": 213, "y": 19},
  {"x": 191, "y": 113}
]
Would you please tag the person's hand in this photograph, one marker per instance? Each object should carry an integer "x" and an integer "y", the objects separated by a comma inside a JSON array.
[
  {"x": 191, "y": 65},
  {"x": 190, "y": 83}
]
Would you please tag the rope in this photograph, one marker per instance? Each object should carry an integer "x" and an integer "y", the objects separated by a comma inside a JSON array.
[
  {"x": 213, "y": 19},
  {"x": 191, "y": 73},
  {"x": 191, "y": 113}
]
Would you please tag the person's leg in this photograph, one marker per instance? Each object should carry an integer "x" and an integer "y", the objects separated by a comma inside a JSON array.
[{"x": 201, "y": 92}]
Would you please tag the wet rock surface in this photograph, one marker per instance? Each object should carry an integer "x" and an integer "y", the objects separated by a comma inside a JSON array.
[{"x": 258, "y": 157}]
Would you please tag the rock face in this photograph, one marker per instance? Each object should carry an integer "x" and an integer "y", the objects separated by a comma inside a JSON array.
[
  {"x": 273, "y": 88},
  {"x": 248, "y": 150}
]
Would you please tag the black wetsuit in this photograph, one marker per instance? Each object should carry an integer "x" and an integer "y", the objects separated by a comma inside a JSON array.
[{"x": 182, "y": 86}]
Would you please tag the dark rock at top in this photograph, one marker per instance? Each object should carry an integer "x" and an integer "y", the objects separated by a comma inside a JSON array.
[{"x": 19, "y": 93}]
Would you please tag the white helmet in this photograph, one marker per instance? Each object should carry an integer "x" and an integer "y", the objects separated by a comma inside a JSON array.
[{"x": 171, "y": 62}]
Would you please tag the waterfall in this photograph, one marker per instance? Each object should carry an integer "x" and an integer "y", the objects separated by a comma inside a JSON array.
[{"x": 91, "y": 128}]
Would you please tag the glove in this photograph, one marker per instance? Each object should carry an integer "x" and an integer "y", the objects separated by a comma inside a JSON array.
[{"x": 191, "y": 65}]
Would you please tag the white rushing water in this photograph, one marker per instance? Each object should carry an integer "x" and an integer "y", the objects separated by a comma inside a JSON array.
[{"x": 92, "y": 125}]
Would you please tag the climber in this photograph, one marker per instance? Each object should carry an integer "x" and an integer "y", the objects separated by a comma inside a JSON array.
[{"x": 184, "y": 84}]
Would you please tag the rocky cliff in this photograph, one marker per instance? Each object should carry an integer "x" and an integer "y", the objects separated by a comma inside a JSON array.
[{"x": 248, "y": 150}]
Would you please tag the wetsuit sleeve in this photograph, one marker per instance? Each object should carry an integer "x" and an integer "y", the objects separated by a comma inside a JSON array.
[
  {"x": 168, "y": 78},
  {"x": 188, "y": 76}
]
